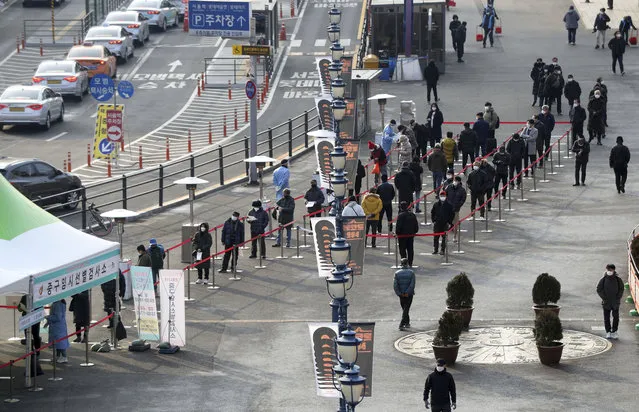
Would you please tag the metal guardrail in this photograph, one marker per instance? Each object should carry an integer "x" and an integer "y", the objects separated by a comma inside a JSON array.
[
  {"x": 101, "y": 8},
  {"x": 153, "y": 186},
  {"x": 363, "y": 46},
  {"x": 56, "y": 32}
]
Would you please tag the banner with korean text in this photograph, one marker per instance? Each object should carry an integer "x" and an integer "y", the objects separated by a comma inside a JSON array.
[
  {"x": 173, "y": 322},
  {"x": 144, "y": 300},
  {"x": 354, "y": 229}
]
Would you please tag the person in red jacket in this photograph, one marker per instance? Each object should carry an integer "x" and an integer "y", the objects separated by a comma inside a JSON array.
[{"x": 378, "y": 155}]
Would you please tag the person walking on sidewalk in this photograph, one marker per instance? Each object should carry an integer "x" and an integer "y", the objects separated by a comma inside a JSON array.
[
  {"x": 535, "y": 75},
  {"x": 404, "y": 286},
  {"x": 435, "y": 119},
  {"x": 572, "y": 90},
  {"x": 619, "y": 159},
  {"x": 577, "y": 119},
  {"x": 453, "y": 26},
  {"x": 596, "y": 116},
  {"x": 314, "y": 198},
  {"x": 456, "y": 196},
  {"x": 571, "y": 18},
  {"x": 467, "y": 144},
  {"x": 81, "y": 314},
  {"x": 258, "y": 221},
  {"x": 280, "y": 179},
  {"x": 624, "y": 27},
  {"x": 201, "y": 251},
  {"x": 431, "y": 75},
  {"x": 488, "y": 23},
  {"x": 618, "y": 47},
  {"x": 460, "y": 38},
  {"x": 610, "y": 290},
  {"x": 386, "y": 193},
  {"x": 600, "y": 27},
  {"x": 232, "y": 237},
  {"x": 285, "y": 212},
  {"x": 581, "y": 148},
  {"x": 442, "y": 215},
  {"x": 440, "y": 387},
  {"x": 372, "y": 205},
  {"x": 407, "y": 226}
]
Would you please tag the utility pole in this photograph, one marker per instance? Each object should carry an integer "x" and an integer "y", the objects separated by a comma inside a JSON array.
[{"x": 253, "y": 114}]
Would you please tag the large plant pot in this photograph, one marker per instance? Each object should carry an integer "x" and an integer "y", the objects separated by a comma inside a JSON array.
[
  {"x": 448, "y": 353},
  {"x": 541, "y": 308},
  {"x": 465, "y": 313},
  {"x": 550, "y": 355}
]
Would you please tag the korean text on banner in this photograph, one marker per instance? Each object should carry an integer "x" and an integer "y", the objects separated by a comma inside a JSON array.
[
  {"x": 322, "y": 335},
  {"x": 75, "y": 278},
  {"x": 324, "y": 233},
  {"x": 103, "y": 148},
  {"x": 144, "y": 299},
  {"x": 173, "y": 325},
  {"x": 219, "y": 18},
  {"x": 366, "y": 332}
]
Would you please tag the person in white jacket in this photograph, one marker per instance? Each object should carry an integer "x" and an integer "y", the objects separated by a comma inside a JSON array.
[{"x": 352, "y": 208}]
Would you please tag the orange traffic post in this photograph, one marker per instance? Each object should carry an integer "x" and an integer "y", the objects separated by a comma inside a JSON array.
[
  {"x": 235, "y": 120},
  {"x": 109, "y": 167},
  {"x": 199, "y": 92},
  {"x": 281, "y": 14},
  {"x": 246, "y": 112},
  {"x": 168, "y": 153},
  {"x": 230, "y": 93},
  {"x": 185, "y": 26},
  {"x": 188, "y": 142},
  {"x": 263, "y": 96},
  {"x": 224, "y": 131},
  {"x": 41, "y": 50},
  {"x": 17, "y": 44},
  {"x": 266, "y": 80},
  {"x": 210, "y": 133},
  {"x": 283, "y": 32},
  {"x": 258, "y": 100},
  {"x": 122, "y": 144},
  {"x": 68, "y": 161},
  {"x": 292, "y": 8},
  {"x": 140, "y": 156},
  {"x": 89, "y": 155},
  {"x": 24, "y": 41},
  {"x": 64, "y": 165}
]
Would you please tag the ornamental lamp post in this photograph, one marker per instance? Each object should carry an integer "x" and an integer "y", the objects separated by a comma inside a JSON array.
[
  {"x": 333, "y": 31},
  {"x": 334, "y": 15},
  {"x": 337, "y": 51}
]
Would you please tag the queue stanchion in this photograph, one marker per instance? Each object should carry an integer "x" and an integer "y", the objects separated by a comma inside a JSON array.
[
  {"x": 87, "y": 363},
  {"x": 521, "y": 189},
  {"x": 545, "y": 179},
  {"x": 168, "y": 259},
  {"x": 510, "y": 191},
  {"x": 281, "y": 256},
  {"x": 446, "y": 262},
  {"x": 14, "y": 337},
  {"x": 217, "y": 257},
  {"x": 486, "y": 230},
  {"x": 297, "y": 235},
  {"x": 567, "y": 151},
  {"x": 235, "y": 259},
  {"x": 11, "y": 399},
  {"x": 305, "y": 245},
  {"x": 55, "y": 378},
  {"x": 388, "y": 244},
  {"x": 499, "y": 218},
  {"x": 552, "y": 166},
  {"x": 534, "y": 177},
  {"x": 188, "y": 282},
  {"x": 397, "y": 266},
  {"x": 214, "y": 286},
  {"x": 260, "y": 241},
  {"x": 34, "y": 365},
  {"x": 559, "y": 152},
  {"x": 426, "y": 211},
  {"x": 474, "y": 229},
  {"x": 458, "y": 251}
]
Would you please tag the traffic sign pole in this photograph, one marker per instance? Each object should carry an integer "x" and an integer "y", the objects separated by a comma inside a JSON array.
[{"x": 253, "y": 114}]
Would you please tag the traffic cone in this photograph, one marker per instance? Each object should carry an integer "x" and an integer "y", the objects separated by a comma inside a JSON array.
[{"x": 283, "y": 32}]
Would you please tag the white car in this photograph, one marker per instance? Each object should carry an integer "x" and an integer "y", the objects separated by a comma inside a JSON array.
[
  {"x": 29, "y": 105},
  {"x": 160, "y": 13},
  {"x": 115, "y": 38},
  {"x": 180, "y": 5},
  {"x": 132, "y": 21},
  {"x": 62, "y": 76}
]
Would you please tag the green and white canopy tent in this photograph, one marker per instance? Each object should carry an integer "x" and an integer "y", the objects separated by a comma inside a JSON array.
[{"x": 37, "y": 246}]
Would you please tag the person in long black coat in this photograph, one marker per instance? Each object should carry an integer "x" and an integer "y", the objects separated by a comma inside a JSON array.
[
  {"x": 535, "y": 73},
  {"x": 596, "y": 113},
  {"x": 442, "y": 215},
  {"x": 460, "y": 39},
  {"x": 359, "y": 175},
  {"x": 81, "y": 314},
  {"x": 543, "y": 75},
  {"x": 431, "y": 75},
  {"x": 202, "y": 242}
]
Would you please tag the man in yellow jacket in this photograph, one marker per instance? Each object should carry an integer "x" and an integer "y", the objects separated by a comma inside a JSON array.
[
  {"x": 449, "y": 147},
  {"x": 372, "y": 205}
]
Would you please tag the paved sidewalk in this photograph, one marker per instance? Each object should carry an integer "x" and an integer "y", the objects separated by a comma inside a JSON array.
[{"x": 588, "y": 12}]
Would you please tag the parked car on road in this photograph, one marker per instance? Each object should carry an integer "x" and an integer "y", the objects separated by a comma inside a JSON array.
[
  {"x": 115, "y": 38},
  {"x": 160, "y": 13},
  {"x": 62, "y": 76},
  {"x": 97, "y": 59},
  {"x": 30, "y": 105},
  {"x": 180, "y": 5},
  {"x": 132, "y": 21},
  {"x": 36, "y": 179}
]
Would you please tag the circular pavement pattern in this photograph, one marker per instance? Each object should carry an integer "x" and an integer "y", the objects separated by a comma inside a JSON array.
[{"x": 503, "y": 344}]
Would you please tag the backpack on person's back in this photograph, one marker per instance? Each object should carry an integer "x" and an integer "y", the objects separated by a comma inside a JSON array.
[{"x": 157, "y": 254}]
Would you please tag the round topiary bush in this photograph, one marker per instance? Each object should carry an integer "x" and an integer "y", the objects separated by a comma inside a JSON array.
[
  {"x": 460, "y": 292},
  {"x": 548, "y": 329},
  {"x": 546, "y": 289},
  {"x": 449, "y": 329}
]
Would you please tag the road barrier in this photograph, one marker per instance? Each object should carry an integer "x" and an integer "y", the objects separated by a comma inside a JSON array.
[
  {"x": 45, "y": 30},
  {"x": 188, "y": 142},
  {"x": 88, "y": 154},
  {"x": 140, "y": 156},
  {"x": 235, "y": 125},
  {"x": 210, "y": 133}
]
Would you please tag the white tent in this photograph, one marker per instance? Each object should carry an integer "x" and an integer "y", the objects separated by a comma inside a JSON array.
[{"x": 35, "y": 244}]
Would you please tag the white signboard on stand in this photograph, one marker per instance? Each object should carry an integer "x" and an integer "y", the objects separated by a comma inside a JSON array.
[
  {"x": 173, "y": 322},
  {"x": 145, "y": 306}
]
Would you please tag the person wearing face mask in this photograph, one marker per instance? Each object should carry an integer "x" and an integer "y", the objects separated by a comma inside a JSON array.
[
  {"x": 201, "y": 248},
  {"x": 554, "y": 87},
  {"x": 144, "y": 259},
  {"x": 389, "y": 137},
  {"x": 543, "y": 138},
  {"x": 477, "y": 183},
  {"x": 440, "y": 385},
  {"x": 571, "y": 18},
  {"x": 431, "y": 75},
  {"x": 404, "y": 286},
  {"x": 577, "y": 118},
  {"x": 438, "y": 166},
  {"x": 599, "y": 85},
  {"x": 517, "y": 149},
  {"x": 232, "y": 236},
  {"x": 482, "y": 129},
  {"x": 581, "y": 149},
  {"x": 549, "y": 124},
  {"x": 372, "y": 206},
  {"x": 572, "y": 90},
  {"x": 280, "y": 178},
  {"x": 617, "y": 46},
  {"x": 460, "y": 38},
  {"x": 386, "y": 193},
  {"x": 435, "y": 119},
  {"x": 610, "y": 290},
  {"x": 405, "y": 150},
  {"x": 467, "y": 144},
  {"x": 286, "y": 211},
  {"x": 501, "y": 160},
  {"x": 442, "y": 215},
  {"x": 352, "y": 209},
  {"x": 543, "y": 75},
  {"x": 456, "y": 196},
  {"x": 258, "y": 221},
  {"x": 618, "y": 160},
  {"x": 600, "y": 27},
  {"x": 405, "y": 183},
  {"x": 535, "y": 74},
  {"x": 596, "y": 108},
  {"x": 531, "y": 137},
  {"x": 449, "y": 147},
  {"x": 314, "y": 199},
  {"x": 490, "y": 180},
  {"x": 410, "y": 134},
  {"x": 490, "y": 115},
  {"x": 378, "y": 155},
  {"x": 406, "y": 228}
]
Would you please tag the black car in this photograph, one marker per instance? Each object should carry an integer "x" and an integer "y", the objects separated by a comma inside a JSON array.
[{"x": 39, "y": 180}]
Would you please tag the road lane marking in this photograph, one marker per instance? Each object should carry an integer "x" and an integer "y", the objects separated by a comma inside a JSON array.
[
  {"x": 320, "y": 42},
  {"x": 139, "y": 64},
  {"x": 296, "y": 43},
  {"x": 56, "y": 137}
]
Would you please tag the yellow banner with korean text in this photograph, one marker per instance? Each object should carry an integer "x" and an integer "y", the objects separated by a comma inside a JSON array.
[{"x": 103, "y": 148}]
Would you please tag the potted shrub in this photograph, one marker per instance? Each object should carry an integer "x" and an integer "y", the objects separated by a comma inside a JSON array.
[
  {"x": 446, "y": 341},
  {"x": 460, "y": 297},
  {"x": 548, "y": 333},
  {"x": 546, "y": 292}
]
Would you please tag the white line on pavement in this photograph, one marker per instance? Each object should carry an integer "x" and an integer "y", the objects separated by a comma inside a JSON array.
[
  {"x": 57, "y": 136},
  {"x": 139, "y": 64},
  {"x": 320, "y": 42}
]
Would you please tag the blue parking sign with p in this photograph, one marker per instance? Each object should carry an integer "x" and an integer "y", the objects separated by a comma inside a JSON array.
[{"x": 102, "y": 87}]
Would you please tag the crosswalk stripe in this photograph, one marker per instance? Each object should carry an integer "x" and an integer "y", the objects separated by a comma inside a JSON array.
[
  {"x": 320, "y": 42},
  {"x": 345, "y": 42},
  {"x": 296, "y": 43}
]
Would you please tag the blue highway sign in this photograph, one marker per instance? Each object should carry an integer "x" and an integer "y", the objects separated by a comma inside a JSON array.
[
  {"x": 125, "y": 89},
  {"x": 102, "y": 87},
  {"x": 219, "y": 18}
]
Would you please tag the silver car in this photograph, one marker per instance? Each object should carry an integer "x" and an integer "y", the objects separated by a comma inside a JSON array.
[
  {"x": 132, "y": 21},
  {"x": 180, "y": 6},
  {"x": 29, "y": 105},
  {"x": 62, "y": 76},
  {"x": 160, "y": 13},
  {"x": 115, "y": 38}
]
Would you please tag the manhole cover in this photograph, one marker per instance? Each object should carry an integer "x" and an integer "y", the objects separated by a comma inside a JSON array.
[{"x": 503, "y": 344}]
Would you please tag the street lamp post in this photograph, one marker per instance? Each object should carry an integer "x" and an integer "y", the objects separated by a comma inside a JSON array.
[
  {"x": 260, "y": 162},
  {"x": 120, "y": 216}
]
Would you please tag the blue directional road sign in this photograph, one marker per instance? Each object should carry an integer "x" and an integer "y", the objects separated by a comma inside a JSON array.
[
  {"x": 125, "y": 89},
  {"x": 250, "y": 89},
  {"x": 219, "y": 18},
  {"x": 102, "y": 87},
  {"x": 106, "y": 146}
]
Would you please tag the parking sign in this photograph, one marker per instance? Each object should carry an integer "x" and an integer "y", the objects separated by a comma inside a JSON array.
[{"x": 219, "y": 18}]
